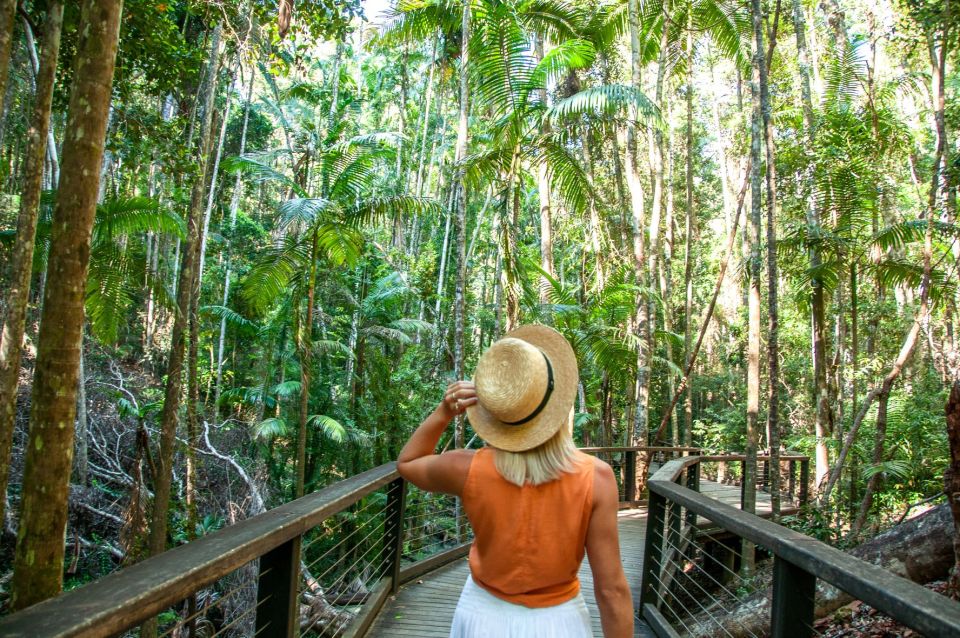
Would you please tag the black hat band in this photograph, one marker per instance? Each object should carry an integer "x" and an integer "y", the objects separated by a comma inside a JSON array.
[{"x": 546, "y": 396}]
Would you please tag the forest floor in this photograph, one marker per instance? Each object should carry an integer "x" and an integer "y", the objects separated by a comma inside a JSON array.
[{"x": 859, "y": 620}]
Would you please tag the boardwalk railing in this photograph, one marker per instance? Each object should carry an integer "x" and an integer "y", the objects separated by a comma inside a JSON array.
[
  {"x": 626, "y": 462},
  {"x": 695, "y": 585},
  {"x": 322, "y": 565}
]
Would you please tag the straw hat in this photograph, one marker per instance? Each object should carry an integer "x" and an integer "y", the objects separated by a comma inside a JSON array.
[{"x": 526, "y": 384}]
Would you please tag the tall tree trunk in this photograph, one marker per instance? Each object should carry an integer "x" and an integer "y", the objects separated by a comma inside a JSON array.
[
  {"x": 938, "y": 66},
  {"x": 665, "y": 272},
  {"x": 823, "y": 424},
  {"x": 543, "y": 192},
  {"x": 951, "y": 478},
  {"x": 212, "y": 192},
  {"x": 658, "y": 161},
  {"x": 188, "y": 261},
  {"x": 234, "y": 207},
  {"x": 81, "y": 460},
  {"x": 460, "y": 294},
  {"x": 882, "y": 396},
  {"x": 52, "y": 159},
  {"x": 773, "y": 348},
  {"x": 688, "y": 243},
  {"x": 38, "y": 559},
  {"x": 8, "y": 16},
  {"x": 305, "y": 351},
  {"x": 18, "y": 292},
  {"x": 753, "y": 300},
  {"x": 640, "y": 404},
  {"x": 424, "y": 134}
]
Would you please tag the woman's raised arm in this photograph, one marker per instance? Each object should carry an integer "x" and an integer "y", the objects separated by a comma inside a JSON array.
[{"x": 418, "y": 462}]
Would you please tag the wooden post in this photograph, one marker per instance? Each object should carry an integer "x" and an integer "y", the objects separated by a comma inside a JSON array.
[
  {"x": 765, "y": 476},
  {"x": 792, "y": 480},
  {"x": 693, "y": 483},
  {"x": 653, "y": 550},
  {"x": 804, "y": 480},
  {"x": 728, "y": 560},
  {"x": 674, "y": 522},
  {"x": 630, "y": 477},
  {"x": 278, "y": 612},
  {"x": 743, "y": 482},
  {"x": 791, "y": 615},
  {"x": 393, "y": 537}
]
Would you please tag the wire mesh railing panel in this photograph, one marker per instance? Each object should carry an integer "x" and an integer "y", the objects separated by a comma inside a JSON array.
[
  {"x": 226, "y": 608},
  {"x": 711, "y": 585},
  {"x": 433, "y": 523},
  {"x": 705, "y": 588},
  {"x": 341, "y": 562}
]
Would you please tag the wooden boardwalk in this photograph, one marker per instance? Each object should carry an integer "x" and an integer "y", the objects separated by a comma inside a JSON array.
[{"x": 424, "y": 607}]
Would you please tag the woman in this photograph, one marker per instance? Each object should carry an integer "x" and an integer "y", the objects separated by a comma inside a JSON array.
[{"x": 534, "y": 501}]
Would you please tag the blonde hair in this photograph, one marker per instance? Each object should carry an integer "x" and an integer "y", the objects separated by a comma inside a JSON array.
[{"x": 542, "y": 464}]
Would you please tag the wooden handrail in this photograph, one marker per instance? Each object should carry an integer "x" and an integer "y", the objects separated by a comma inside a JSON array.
[
  {"x": 629, "y": 489},
  {"x": 641, "y": 448},
  {"x": 799, "y": 561},
  {"x": 126, "y": 598}
]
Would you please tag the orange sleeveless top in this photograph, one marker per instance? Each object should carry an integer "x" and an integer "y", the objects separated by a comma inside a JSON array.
[{"x": 529, "y": 541}]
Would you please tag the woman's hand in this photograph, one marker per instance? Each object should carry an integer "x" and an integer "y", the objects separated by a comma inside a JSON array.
[
  {"x": 458, "y": 397},
  {"x": 419, "y": 464}
]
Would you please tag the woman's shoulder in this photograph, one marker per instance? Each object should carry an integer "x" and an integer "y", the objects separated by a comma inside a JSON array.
[{"x": 588, "y": 461}]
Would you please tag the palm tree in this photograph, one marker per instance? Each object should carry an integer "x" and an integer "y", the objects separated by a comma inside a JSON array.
[
  {"x": 325, "y": 227},
  {"x": 860, "y": 141}
]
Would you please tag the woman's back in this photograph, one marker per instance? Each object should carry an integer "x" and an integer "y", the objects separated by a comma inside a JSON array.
[{"x": 529, "y": 541}]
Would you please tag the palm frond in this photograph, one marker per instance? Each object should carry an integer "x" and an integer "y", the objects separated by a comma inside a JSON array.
[
  {"x": 297, "y": 214},
  {"x": 258, "y": 171},
  {"x": 269, "y": 276},
  {"x": 568, "y": 56},
  {"x": 269, "y": 429},
  {"x": 130, "y": 215},
  {"x": 232, "y": 317},
  {"x": 567, "y": 177},
  {"x": 608, "y": 100},
  {"x": 898, "y": 235},
  {"x": 381, "y": 208},
  {"x": 329, "y": 427}
]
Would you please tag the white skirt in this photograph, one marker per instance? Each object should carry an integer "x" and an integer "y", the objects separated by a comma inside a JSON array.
[{"x": 480, "y": 614}]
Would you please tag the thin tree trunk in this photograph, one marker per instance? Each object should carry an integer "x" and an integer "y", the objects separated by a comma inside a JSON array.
[
  {"x": 234, "y": 207},
  {"x": 773, "y": 348},
  {"x": 18, "y": 291},
  {"x": 823, "y": 425},
  {"x": 52, "y": 159},
  {"x": 640, "y": 403},
  {"x": 708, "y": 315},
  {"x": 189, "y": 255},
  {"x": 8, "y": 16},
  {"x": 418, "y": 184},
  {"x": 754, "y": 265},
  {"x": 951, "y": 477},
  {"x": 460, "y": 294},
  {"x": 688, "y": 245},
  {"x": 543, "y": 192},
  {"x": 305, "y": 348},
  {"x": 212, "y": 192},
  {"x": 38, "y": 559},
  {"x": 80, "y": 460}
]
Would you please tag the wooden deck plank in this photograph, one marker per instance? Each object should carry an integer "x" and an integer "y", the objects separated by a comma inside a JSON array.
[{"x": 424, "y": 607}]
